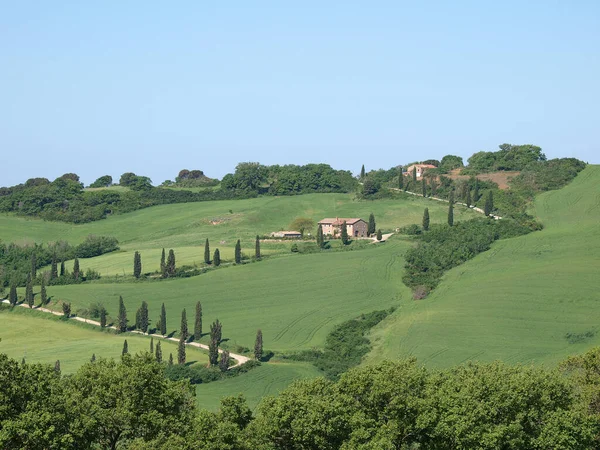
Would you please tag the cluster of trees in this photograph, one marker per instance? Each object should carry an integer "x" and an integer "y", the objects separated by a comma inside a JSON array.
[
  {"x": 253, "y": 177},
  {"x": 194, "y": 178},
  {"x": 509, "y": 157},
  {"x": 132, "y": 404}
]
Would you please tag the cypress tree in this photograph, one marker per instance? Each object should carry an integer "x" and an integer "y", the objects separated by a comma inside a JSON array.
[
  {"x": 122, "y": 316},
  {"x": 362, "y": 172},
  {"x": 213, "y": 352},
  {"x": 151, "y": 345},
  {"x": 93, "y": 359},
  {"x": 424, "y": 187},
  {"x": 198, "y": 322},
  {"x": 216, "y": 331},
  {"x": 29, "y": 291},
  {"x": 257, "y": 248},
  {"x": 238, "y": 252},
  {"x": 125, "y": 348},
  {"x": 102, "y": 317},
  {"x": 379, "y": 236},
  {"x": 181, "y": 351},
  {"x": 217, "y": 258},
  {"x": 138, "y": 315},
  {"x": 183, "y": 329},
  {"x": 400, "y": 178},
  {"x": 163, "y": 265},
  {"x": 414, "y": 175},
  {"x": 320, "y": 237},
  {"x": 33, "y": 265},
  {"x": 66, "y": 307},
  {"x": 12, "y": 295},
  {"x": 206, "y": 252},
  {"x": 63, "y": 271},
  {"x": 224, "y": 361},
  {"x": 468, "y": 201},
  {"x": 76, "y": 272},
  {"x": 170, "y": 359},
  {"x": 163, "y": 320},
  {"x": 344, "y": 234},
  {"x": 23, "y": 361},
  {"x": 43, "y": 294},
  {"x": 57, "y": 366},
  {"x": 372, "y": 226},
  {"x": 489, "y": 204},
  {"x": 258, "y": 345},
  {"x": 158, "y": 354},
  {"x": 53, "y": 268},
  {"x": 451, "y": 209},
  {"x": 137, "y": 264},
  {"x": 144, "y": 319},
  {"x": 426, "y": 219},
  {"x": 476, "y": 191},
  {"x": 171, "y": 263}
]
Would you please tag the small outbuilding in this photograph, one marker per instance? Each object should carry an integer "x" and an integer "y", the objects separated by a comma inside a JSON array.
[
  {"x": 287, "y": 234},
  {"x": 355, "y": 227}
]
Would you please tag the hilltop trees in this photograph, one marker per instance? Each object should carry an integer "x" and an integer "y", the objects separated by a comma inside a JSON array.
[
  {"x": 371, "y": 226},
  {"x": 217, "y": 258},
  {"x": 198, "y": 322},
  {"x": 426, "y": 219},
  {"x": 206, "y": 252},
  {"x": 258, "y": 345},
  {"x": 122, "y": 321},
  {"x": 103, "y": 181},
  {"x": 137, "y": 264},
  {"x": 238, "y": 252}
]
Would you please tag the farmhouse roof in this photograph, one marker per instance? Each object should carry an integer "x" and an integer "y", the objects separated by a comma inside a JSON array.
[{"x": 339, "y": 221}]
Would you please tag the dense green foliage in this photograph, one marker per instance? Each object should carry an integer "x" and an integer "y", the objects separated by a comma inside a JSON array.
[{"x": 509, "y": 157}]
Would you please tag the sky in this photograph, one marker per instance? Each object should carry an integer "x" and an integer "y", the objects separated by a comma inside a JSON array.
[{"x": 154, "y": 87}]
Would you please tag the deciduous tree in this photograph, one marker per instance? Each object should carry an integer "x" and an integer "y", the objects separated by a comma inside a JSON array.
[{"x": 302, "y": 224}]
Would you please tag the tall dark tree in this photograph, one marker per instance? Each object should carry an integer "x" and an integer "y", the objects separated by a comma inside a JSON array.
[
  {"x": 163, "y": 264},
  {"x": 151, "y": 345},
  {"x": 57, "y": 366},
  {"x": 93, "y": 359},
  {"x": 137, "y": 264},
  {"x": 400, "y": 178},
  {"x": 183, "y": 329},
  {"x": 344, "y": 234},
  {"x": 217, "y": 258},
  {"x": 76, "y": 271},
  {"x": 144, "y": 319},
  {"x": 171, "y": 263},
  {"x": 379, "y": 236},
  {"x": 102, "y": 317},
  {"x": 125, "y": 348},
  {"x": 206, "y": 252},
  {"x": 320, "y": 237},
  {"x": 451, "y": 209},
  {"x": 122, "y": 316},
  {"x": 257, "y": 248},
  {"x": 424, "y": 186},
  {"x": 29, "y": 291},
  {"x": 66, "y": 307},
  {"x": 216, "y": 331},
  {"x": 53, "y": 267},
  {"x": 213, "y": 352},
  {"x": 198, "y": 322},
  {"x": 414, "y": 175},
  {"x": 181, "y": 351},
  {"x": 426, "y": 219},
  {"x": 489, "y": 204},
  {"x": 258, "y": 345},
  {"x": 33, "y": 265},
  {"x": 170, "y": 359},
  {"x": 12, "y": 295},
  {"x": 158, "y": 354},
  {"x": 238, "y": 252},
  {"x": 138, "y": 315},
  {"x": 362, "y": 172},
  {"x": 43, "y": 294},
  {"x": 468, "y": 200},
  {"x": 163, "y": 320},
  {"x": 476, "y": 191},
  {"x": 224, "y": 361},
  {"x": 372, "y": 226}
]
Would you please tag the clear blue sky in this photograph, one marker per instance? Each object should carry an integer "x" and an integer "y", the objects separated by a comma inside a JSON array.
[{"x": 154, "y": 87}]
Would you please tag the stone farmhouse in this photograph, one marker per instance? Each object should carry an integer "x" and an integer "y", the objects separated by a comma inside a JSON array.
[
  {"x": 333, "y": 227},
  {"x": 421, "y": 168}
]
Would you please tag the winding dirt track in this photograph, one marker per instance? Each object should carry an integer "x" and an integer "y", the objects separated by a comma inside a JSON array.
[{"x": 241, "y": 359}]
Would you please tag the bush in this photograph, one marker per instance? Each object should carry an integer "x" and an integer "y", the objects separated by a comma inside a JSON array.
[
  {"x": 411, "y": 230},
  {"x": 96, "y": 246}
]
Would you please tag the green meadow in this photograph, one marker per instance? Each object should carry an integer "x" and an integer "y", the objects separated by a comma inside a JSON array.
[
  {"x": 42, "y": 338},
  {"x": 531, "y": 299}
]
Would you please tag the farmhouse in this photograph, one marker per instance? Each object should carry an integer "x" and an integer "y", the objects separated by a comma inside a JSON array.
[
  {"x": 421, "y": 168},
  {"x": 287, "y": 234},
  {"x": 355, "y": 227}
]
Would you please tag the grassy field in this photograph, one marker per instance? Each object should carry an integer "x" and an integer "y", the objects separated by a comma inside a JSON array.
[
  {"x": 535, "y": 298},
  {"x": 39, "y": 337},
  {"x": 268, "y": 379}
]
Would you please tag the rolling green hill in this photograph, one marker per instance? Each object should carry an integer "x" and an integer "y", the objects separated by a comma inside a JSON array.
[{"x": 534, "y": 298}]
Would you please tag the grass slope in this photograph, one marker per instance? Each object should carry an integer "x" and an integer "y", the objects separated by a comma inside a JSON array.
[
  {"x": 41, "y": 338},
  {"x": 535, "y": 298},
  {"x": 268, "y": 379}
]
